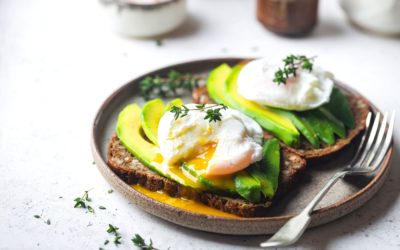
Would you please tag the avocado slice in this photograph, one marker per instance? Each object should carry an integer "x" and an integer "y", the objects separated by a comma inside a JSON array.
[
  {"x": 150, "y": 117},
  {"x": 130, "y": 133},
  {"x": 220, "y": 183},
  {"x": 269, "y": 119},
  {"x": 247, "y": 186},
  {"x": 216, "y": 83},
  {"x": 302, "y": 125},
  {"x": 320, "y": 125},
  {"x": 339, "y": 106},
  {"x": 337, "y": 125},
  {"x": 267, "y": 171}
]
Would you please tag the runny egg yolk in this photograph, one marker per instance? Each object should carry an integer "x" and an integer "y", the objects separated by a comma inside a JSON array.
[{"x": 200, "y": 161}]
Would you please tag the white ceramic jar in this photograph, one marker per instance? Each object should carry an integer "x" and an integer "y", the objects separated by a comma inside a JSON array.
[
  {"x": 379, "y": 16},
  {"x": 145, "y": 18}
]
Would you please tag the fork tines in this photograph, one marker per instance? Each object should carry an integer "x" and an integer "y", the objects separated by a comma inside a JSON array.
[{"x": 375, "y": 141}]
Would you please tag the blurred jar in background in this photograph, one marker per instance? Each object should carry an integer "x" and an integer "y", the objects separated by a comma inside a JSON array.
[
  {"x": 144, "y": 18},
  {"x": 288, "y": 17}
]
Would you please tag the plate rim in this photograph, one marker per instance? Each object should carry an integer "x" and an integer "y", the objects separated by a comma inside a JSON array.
[{"x": 108, "y": 174}]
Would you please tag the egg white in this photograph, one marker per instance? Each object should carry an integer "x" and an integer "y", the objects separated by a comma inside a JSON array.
[{"x": 307, "y": 90}]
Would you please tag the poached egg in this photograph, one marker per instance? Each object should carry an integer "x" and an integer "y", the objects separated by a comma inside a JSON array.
[
  {"x": 217, "y": 148},
  {"x": 306, "y": 91}
]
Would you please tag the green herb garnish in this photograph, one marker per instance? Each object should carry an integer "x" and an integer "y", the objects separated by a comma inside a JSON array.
[
  {"x": 102, "y": 207},
  {"x": 112, "y": 229},
  {"x": 140, "y": 242},
  {"x": 159, "y": 42},
  {"x": 90, "y": 209},
  {"x": 213, "y": 112},
  {"x": 37, "y": 216},
  {"x": 172, "y": 85},
  {"x": 110, "y": 191},
  {"x": 48, "y": 222},
  {"x": 81, "y": 202},
  {"x": 292, "y": 64},
  {"x": 117, "y": 240},
  {"x": 106, "y": 242}
]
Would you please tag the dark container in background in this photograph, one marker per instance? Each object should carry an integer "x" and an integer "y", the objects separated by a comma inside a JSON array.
[{"x": 288, "y": 17}]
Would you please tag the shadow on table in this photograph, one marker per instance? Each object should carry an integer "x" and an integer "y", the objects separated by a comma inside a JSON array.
[{"x": 321, "y": 236}]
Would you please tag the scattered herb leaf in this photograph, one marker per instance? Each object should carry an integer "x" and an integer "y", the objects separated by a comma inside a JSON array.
[
  {"x": 102, "y": 207},
  {"x": 90, "y": 209},
  {"x": 292, "y": 64},
  {"x": 112, "y": 229},
  {"x": 48, "y": 222},
  {"x": 106, "y": 242},
  {"x": 110, "y": 191},
  {"x": 213, "y": 112},
  {"x": 140, "y": 242},
  {"x": 37, "y": 216},
  {"x": 117, "y": 240},
  {"x": 159, "y": 42},
  {"x": 81, "y": 202},
  {"x": 171, "y": 85}
]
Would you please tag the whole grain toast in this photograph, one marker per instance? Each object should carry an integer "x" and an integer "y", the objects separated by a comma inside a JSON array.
[
  {"x": 132, "y": 171},
  {"x": 359, "y": 107}
]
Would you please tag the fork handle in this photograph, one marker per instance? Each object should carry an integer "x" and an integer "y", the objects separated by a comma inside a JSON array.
[
  {"x": 310, "y": 207},
  {"x": 291, "y": 231}
]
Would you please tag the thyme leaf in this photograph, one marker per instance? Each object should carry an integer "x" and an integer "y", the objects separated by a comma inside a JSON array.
[
  {"x": 212, "y": 112},
  {"x": 175, "y": 82},
  {"x": 292, "y": 64}
]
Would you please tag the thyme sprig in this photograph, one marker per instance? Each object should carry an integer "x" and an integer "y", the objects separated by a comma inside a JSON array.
[
  {"x": 292, "y": 64},
  {"x": 117, "y": 237},
  {"x": 141, "y": 243},
  {"x": 82, "y": 202},
  {"x": 172, "y": 85},
  {"x": 212, "y": 112}
]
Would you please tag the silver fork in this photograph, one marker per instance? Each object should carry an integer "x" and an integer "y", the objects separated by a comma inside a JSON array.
[{"x": 372, "y": 150}]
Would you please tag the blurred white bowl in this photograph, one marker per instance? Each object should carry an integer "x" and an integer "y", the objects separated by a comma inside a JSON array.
[
  {"x": 380, "y": 16},
  {"x": 144, "y": 18}
]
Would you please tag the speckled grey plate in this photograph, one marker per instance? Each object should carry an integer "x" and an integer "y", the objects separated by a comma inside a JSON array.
[{"x": 346, "y": 196}]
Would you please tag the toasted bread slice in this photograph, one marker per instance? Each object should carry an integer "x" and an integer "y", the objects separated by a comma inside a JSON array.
[
  {"x": 132, "y": 171},
  {"x": 360, "y": 109}
]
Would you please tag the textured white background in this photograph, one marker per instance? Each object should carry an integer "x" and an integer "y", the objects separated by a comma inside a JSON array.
[{"x": 59, "y": 61}]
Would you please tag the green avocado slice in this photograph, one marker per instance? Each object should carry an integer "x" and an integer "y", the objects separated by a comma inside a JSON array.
[
  {"x": 220, "y": 184},
  {"x": 150, "y": 117},
  {"x": 320, "y": 125},
  {"x": 339, "y": 106},
  {"x": 216, "y": 83},
  {"x": 247, "y": 186},
  {"x": 302, "y": 125},
  {"x": 337, "y": 125}
]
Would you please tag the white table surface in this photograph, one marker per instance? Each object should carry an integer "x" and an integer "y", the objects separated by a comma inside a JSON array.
[{"x": 59, "y": 61}]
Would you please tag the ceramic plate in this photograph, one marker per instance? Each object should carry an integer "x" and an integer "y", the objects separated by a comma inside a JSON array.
[{"x": 346, "y": 196}]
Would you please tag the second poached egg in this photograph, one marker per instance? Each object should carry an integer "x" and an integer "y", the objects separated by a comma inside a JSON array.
[{"x": 306, "y": 91}]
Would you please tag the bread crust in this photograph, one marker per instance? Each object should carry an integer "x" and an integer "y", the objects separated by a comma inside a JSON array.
[
  {"x": 132, "y": 171},
  {"x": 359, "y": 107}
]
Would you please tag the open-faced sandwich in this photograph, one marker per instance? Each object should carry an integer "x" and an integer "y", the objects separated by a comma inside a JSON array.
[{"x": 244, "y": 141}]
